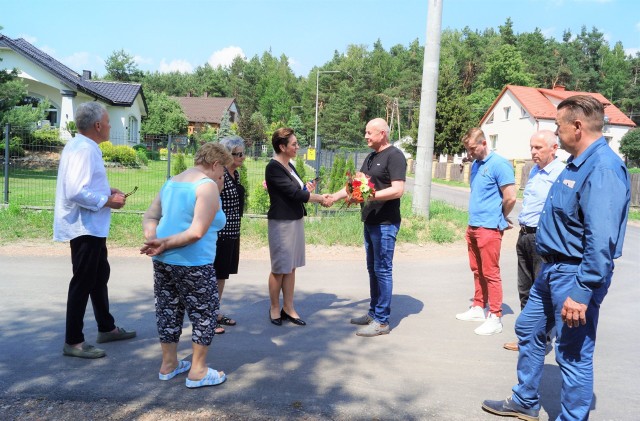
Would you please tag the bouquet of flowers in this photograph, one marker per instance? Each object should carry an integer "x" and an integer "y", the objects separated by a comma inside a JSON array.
[{"x": 359, "y": 188}]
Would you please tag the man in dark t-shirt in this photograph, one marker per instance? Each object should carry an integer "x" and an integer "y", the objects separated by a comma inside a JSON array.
[{"x": 387, "y": 167}]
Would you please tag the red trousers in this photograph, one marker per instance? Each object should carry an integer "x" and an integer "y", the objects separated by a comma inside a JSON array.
[{"x": 484, "y": 259}]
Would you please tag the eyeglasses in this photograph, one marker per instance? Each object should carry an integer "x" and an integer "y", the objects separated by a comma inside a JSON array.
[
  {"x": 135, "y": 189},
  {"x": 238, "y": 154}
]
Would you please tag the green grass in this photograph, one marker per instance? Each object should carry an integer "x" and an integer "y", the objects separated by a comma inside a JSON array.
[
  {"x": 452, "y": 183},
  {"x": 339, "y": 226},
  {"x": 36, "y": 187}
]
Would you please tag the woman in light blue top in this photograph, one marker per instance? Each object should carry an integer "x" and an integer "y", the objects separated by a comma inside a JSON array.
[{"x": 181, "y": 228}]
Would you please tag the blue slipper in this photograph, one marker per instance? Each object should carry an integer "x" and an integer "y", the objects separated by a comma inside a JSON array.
[
  {"x": 182, "y": 367},
  {"x": 212, "y": 378}
]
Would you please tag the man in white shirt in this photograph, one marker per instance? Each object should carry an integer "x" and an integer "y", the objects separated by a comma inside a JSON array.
[{"x": 82, "y": 216}]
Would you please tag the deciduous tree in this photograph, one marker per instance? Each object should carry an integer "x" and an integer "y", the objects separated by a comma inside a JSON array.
[
  {"x": 165, "y": 116},
  {"x": 122, "y": 67},
  {"x": 630, "y": 146}
]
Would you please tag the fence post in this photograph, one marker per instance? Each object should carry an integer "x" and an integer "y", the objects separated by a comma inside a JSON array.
[
  {"x": 6, "y": 164},
  {"x": 168, "y": 157}
]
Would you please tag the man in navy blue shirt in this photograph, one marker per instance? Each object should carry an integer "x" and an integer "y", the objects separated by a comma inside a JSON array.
[{"x": 580, "y": 232}]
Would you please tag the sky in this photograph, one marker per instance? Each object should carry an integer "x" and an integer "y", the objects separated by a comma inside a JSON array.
[{"x": 180, "y": 35}]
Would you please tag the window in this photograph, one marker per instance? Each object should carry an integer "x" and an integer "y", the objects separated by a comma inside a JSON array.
[
  {"x": 490, "y": 119},
  {"x": 132, "y": 129},
  {"x": 493, "y": 141},
  {"x": 523, "y": 113},
  {"x": 507, "y": 110},
  {"x": 52, "y": 116},
  {"x": 51, "y": 113}
]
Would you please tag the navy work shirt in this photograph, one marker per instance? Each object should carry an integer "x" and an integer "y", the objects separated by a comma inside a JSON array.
[{"x": 585, "y": 216}]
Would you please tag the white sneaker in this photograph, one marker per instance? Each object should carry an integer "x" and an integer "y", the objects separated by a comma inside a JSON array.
[
  {"x": 474, "y": 314},
  {"x": 491, "y": 326}
]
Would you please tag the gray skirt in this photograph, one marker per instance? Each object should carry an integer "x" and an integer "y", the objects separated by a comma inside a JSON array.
[{"x": 286, "y": 244}]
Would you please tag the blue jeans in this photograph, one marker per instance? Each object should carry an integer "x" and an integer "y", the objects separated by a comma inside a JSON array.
[
  {"x": 379, "y": 244},
  {"x": 574, "y": 346}
]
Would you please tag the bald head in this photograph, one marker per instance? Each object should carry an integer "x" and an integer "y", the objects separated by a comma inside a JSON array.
[
  {"x": 377, "y": 134},
  {"x": 543, "y": 146},
  {"x": 380, "y": 124}
]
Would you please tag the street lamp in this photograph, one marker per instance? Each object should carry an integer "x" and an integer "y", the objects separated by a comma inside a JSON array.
[{"x": 315, "y": 132}]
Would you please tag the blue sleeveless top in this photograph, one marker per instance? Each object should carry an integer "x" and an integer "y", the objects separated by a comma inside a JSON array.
[{"x": 178, "y": 201}]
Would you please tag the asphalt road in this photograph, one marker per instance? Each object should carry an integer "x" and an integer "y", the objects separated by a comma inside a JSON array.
[{"x": 431, "y": 366}]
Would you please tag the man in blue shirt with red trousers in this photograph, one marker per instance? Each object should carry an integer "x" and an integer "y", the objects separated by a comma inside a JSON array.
[
  {"x": 580, "y": 232},
  {"x": 493, "y": 195}
]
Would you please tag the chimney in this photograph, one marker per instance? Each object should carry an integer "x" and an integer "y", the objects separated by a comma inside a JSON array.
[
  {"x": 86, "y": 75},
  {"x": 559, "y": 88}
]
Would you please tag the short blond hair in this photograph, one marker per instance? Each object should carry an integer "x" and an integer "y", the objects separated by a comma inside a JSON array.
[
  {"x": 474, "y": 134},
  {"x": 211, "y": 152}
]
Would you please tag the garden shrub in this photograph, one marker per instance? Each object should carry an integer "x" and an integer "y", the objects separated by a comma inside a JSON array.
[
  {"x": 244, "y": 180},
  {"x": 141, "y": 156},
  {"x": 15, "y": 148},
  {"x": 179, "y": 163},
  {"x": 336, "y": 177},
  {"x": 72, "y": 128},
  {"x": 153, "y": 155},
  {"x": 107, "y": 150},
  {"x": 125, "y": 155},
  {"x": 259, "y": 199},
  {"x": 43, "y": 137},
  {"x": 323, "y": 182},
  {"x": 164, "y": 154},
  {"x": 349, "y": 167},
  {"x": 121, "y": 154},
  {"x": 300, "y": 168}
]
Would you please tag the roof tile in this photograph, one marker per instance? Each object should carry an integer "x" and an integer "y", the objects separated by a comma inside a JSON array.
[
  {"x": 204, "y": 109},
  {"x": 537, "y": 103},
  {"x": 114, "y": 93}
]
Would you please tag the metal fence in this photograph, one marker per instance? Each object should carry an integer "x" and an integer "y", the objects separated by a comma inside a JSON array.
[
  {"x": 456, "y": 172},
  {"x": 30, "y": 164}
]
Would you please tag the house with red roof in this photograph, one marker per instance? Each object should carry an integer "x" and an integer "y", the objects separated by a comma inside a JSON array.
[
  {"x": 207, "y": 111},
  {"x": 520, "y": 111},
  {"x": 65, "y": 89}
]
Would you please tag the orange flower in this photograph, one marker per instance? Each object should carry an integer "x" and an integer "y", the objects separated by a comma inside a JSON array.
[{"x": 359, "y": 188}]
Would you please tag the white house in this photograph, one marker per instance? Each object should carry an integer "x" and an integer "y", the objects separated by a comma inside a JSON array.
[
  {"x": 520, "y": 111},
  {"x": 65, "y": 89}
]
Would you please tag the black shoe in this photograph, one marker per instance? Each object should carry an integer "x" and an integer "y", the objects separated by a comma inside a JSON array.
[
  {"x": 277, "y": 322},
  {"x": 508, "y": 408},
  {"x": 293, "y": 320}
]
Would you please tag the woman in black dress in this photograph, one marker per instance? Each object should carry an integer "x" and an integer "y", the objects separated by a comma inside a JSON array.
[{"x": 228, "y": 245}]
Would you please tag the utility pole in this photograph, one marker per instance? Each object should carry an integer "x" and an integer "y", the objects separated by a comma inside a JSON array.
[
  {"x": 316, "y": 142},
  {"x": 428, "y": 99}
]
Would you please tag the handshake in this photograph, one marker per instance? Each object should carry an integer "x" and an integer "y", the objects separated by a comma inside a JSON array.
[{"x": 327, "y": 200}]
